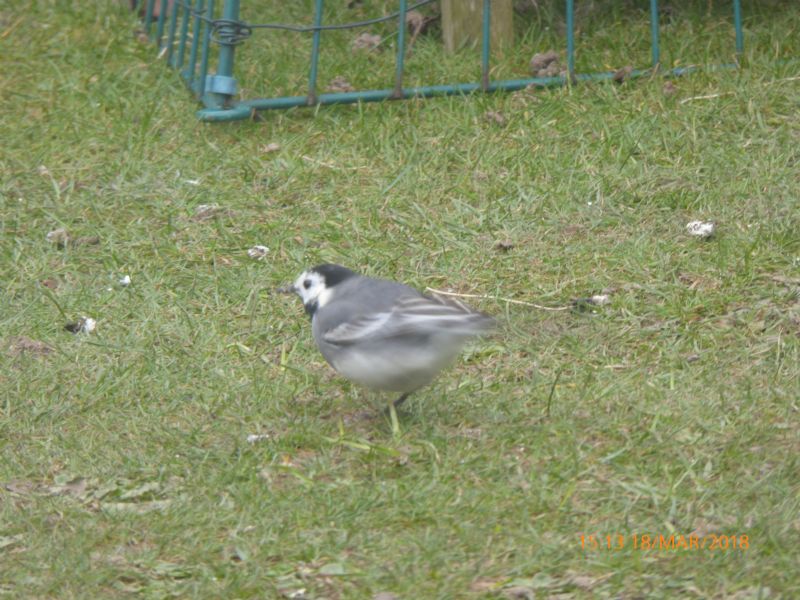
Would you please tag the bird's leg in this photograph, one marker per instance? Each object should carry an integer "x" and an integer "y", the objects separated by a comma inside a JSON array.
[
  {"x": 392, "y": 412},
  {"x": 401, "y": 399}
]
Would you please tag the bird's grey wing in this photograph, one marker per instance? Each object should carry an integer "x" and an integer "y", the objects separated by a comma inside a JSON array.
[
  {"x": 439, "y": 314},
  {"x": 413, "y": 315},
  {"x": 351, "y": 332}
]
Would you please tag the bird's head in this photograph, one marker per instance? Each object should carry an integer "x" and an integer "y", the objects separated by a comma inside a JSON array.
[{"x": 315, "y": 285}]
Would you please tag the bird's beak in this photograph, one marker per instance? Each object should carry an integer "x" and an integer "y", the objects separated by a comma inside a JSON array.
[{"x": 286, "y": 289}]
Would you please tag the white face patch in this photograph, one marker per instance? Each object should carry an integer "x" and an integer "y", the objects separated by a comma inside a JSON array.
[
  {"x": 310, "y": 286},
  {"x": 324, "y": 297}
]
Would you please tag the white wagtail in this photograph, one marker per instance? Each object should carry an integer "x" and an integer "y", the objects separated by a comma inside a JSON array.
[{"x": 383, "y": 334}]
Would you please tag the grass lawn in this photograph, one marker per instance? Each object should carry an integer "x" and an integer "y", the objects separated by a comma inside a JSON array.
[{"x": 125, "y": 464}]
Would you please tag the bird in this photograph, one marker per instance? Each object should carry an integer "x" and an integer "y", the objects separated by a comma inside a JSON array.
[{"x": 381, "y": 334}]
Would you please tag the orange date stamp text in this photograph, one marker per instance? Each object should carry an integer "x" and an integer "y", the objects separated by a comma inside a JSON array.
[{"x": 674, "y": 541}]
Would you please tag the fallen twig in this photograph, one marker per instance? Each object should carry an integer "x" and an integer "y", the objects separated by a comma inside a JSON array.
[
  {"x": 707, "y": 97},
  {"x": 329, "y": 165},
  {"x": 783, "y": 80},
  {"x": 11, "y": 28},
  {"x": 509, "y": 300}
]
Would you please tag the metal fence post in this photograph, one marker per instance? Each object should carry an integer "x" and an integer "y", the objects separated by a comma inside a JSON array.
[
  {"x": 571, "y": 40},
  {"x": 178, "y": 62},
  {"x": 173, "y": 27},
  {"x": 737, "y": 23},
  {"x": 201, "y": 82},
  {"x": 162, "y": 17},
  {"x": 486, "y": 44},
  {"x": 191, "y": 70},
  {"x": 312, "y": 76},
  {"x": 654, "y": 33},
  {"x": 148, "y": 17},
  {"x": 401, "y": 50},
  {"x": 221, "y": 86}
]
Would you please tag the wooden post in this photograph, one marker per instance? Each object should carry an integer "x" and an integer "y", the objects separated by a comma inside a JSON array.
[{"x": 461, "y": 23}]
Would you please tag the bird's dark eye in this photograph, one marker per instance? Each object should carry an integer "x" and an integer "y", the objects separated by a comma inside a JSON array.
[{"x": 307, "y": 283}]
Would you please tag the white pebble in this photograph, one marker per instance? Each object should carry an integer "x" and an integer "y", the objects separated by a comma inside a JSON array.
[
  {"x": 257, "y": 437},
  {"x": 701, "y": 229},
  {"x": 87, "y": 324},
  {"x": 257, "y": 252},
  {"x": 57, "y": 236},
  {"x": 125, "y": 280}
]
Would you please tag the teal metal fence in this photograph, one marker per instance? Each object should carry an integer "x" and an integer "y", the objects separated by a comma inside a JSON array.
[{"x": 196, "y": 33}]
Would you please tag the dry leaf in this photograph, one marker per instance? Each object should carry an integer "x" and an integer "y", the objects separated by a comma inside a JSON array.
[
  {"x": 9, "y": 540},
  {"x": 21, "y": 488},
  {"x": 483, "y": 585},
  {"x": 22, "y": 345},
  {"x": 494, "y": 116},
  {"x": 542, "y": 60},
  {"x": 340, "y": 84},
  {"x": 147, "y": 489},
  {"x": 366, "y": 41},
  {"x": 87, "y": 240},
  {"x": 69, "y": 486},
  {"x": 203, "y": 212},
  {"x": 271, "y": 147},
  {"x": 135, "y": 507},
  {"x": 622, "y": 74}
]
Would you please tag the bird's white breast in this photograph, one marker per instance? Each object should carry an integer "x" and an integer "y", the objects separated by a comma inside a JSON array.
[{"x": 324, "y": 297}]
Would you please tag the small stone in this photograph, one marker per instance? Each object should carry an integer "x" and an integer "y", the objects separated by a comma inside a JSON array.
[
  {"x": 587, "y": 304},
  {"x": 202, "y": 209},
  {"x": 258, "y": 252},
  {"x": 82, "y": 325},
  {"x": 669, "y": 89},
  {"x": 599, "y": 299},
  {"x": 125, "y": 280},
  {"x": 204, "y": 212},
  {"x": 701, "y": 229},
  {"x": 59, "y": 237}
]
